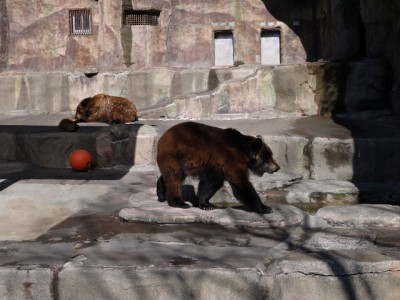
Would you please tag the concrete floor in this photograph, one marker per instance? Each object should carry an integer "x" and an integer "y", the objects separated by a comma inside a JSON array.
[{"x": 103, "y": 235}]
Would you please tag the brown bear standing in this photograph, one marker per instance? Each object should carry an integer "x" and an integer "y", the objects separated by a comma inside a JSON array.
[
  {"x": 213, "y": 155},
  {"x": 101, "y": 108}
]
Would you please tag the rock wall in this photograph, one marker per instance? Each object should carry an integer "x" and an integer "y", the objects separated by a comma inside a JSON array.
[
  {"x": 307, "y": 89},
  {"x": 348, "y": 30},
  {"x": 3, "y": 35},
  {"x": 34, "y": 37},
  {"x": 382, "y": 30},
  {"x": 39, "y": 38}
]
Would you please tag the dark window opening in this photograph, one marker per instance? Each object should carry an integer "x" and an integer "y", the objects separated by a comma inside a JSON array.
[
  {"x": 141, "y": 17},
  {"x": 80, "y": 22},
  {"x": 223, "y": 34}
]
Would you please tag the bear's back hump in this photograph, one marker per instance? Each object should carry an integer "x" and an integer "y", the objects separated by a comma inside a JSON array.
[
  {"x": 201, "y": 136},
  {"x": 191, "y": 133}
]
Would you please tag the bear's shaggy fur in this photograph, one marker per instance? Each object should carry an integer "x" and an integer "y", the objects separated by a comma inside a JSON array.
[
  {"x": 213, "y": 155},
  {"x": 102, "y": 108},
  {"x": 106, "y": 109}
]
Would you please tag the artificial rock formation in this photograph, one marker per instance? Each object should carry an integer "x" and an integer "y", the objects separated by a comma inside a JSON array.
[{"x": 35, "y": 36}]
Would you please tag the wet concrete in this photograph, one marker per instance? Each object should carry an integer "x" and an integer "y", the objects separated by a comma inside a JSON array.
[{"x": 106, "y": 240}]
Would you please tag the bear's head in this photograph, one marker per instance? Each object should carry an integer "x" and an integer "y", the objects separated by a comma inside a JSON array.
[
  {"x": 82, "y": 111},
  {"x": 262, "y": 158}
]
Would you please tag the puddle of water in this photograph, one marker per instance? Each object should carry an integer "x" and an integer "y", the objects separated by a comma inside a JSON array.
[{"x": 182, "y": 261}]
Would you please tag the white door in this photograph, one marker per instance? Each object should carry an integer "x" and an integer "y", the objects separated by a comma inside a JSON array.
[
  {"x": 270, "y": 48},
  {"x": 223, "y": 44}
]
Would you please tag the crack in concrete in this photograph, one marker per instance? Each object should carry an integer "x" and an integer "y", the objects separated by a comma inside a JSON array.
[
  {"x": 335, "y": 275},
  {"x": 54, "y": 286}
]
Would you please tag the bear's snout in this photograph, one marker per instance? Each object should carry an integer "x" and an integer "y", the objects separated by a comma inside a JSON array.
[
  {"x": 275, "y": 167},
  {"x": 272, "y": 167}
]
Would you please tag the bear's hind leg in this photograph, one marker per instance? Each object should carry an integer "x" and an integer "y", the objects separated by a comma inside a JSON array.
[
  {"x": 174, "y": 192},
  {"x": 207, "y": 188},
  {"x": 176, "y": 202},
  {"x": 161, "y": 190}
]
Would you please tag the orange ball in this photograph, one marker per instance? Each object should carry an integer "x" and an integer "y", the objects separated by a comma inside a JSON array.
[{"x": 80, "y": 160}]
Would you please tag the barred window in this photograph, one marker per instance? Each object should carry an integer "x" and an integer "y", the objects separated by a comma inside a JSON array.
[
  {"x": 141, "y": 17},
  {"x": 80, "y": 22}
]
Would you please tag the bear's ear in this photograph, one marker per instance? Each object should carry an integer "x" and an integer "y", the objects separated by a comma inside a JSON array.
[
  {"x": 257, "y": 144},
  {"x": 84, "y": 103}
]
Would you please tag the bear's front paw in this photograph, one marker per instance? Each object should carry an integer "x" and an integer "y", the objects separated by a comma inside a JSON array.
[
  {"x": 206, "y": 206},
  {"x": 262, "y": 209},
  {"x": 182, "y": 205},
  {"x": 265, "y": 210},
  {"x": 68, "y": 125}
]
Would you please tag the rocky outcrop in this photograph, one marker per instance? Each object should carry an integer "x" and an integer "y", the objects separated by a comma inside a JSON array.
[
  {"x": 382, "y": 38},
  {"x": 343, "y": 30},
  {"x": 310, "y": 89}
]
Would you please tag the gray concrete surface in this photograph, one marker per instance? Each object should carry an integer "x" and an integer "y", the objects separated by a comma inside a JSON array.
[
  {"x": 62, "y": 237},
  {"x": 103, "y": 235},
  {"x": 313, "y": 147}
]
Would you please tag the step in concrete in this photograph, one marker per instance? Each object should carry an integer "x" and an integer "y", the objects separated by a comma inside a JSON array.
[
  {"x": 292, "y": 189},
  {"x": 144, "y": 207},
  {"x": 313, "y": 147}
]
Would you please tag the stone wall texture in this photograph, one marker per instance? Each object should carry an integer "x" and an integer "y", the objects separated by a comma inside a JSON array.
[
  {"x": 35, "y": 37},
  {"x": 347, "y": 30}
]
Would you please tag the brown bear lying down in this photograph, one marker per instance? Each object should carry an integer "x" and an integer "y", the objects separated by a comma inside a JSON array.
[
  {"x": 213, "y": 155},
  {"x": 101, "y": 108}
]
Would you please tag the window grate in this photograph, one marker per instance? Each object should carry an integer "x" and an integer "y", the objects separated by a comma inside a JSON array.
[
  {"x": 141, "y": 17},
  {"x": 80, "y": 22}
]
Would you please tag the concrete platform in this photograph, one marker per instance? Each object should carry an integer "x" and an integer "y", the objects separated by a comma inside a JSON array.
[
  {"x": 338, "y": 160},
  {"x": 62, "y": 237},
  {"x": 103, "y": 235}
]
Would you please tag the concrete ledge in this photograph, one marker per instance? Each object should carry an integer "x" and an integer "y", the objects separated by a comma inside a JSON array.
[
  {"x": 330, "y": 275},
  {"x": 29, "y": 282},
  {"x": 146, "y": 208},
  {"x": 154, "y": 283},
  {"x": 314, "y": 148},
  {"x": 361, "y": 215},
  {"x": 49, "y": 147},
  {"x": 345, "y": 274}
]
